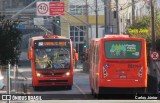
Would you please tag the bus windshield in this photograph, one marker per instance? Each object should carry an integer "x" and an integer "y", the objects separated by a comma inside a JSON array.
[
  {"x": 52, "y": 58},
  {"x": 123, "y": 49}
]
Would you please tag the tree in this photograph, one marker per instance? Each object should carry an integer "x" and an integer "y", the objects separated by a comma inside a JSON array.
[
  {"x": 141, "y": 23},
  {"x": 10, "y": 38},
  {"x": 144, "y": 23}
]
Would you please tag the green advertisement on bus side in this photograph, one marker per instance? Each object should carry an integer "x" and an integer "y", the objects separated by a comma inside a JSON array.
[{"x": 123, "y": 49}]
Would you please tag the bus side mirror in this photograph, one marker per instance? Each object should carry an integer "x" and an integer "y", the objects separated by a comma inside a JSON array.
[{"x": 30, "y": 54}]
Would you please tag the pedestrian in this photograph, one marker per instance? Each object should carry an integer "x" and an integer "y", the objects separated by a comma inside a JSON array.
[
  {"x": 76, "y": 60},
  {"x": 74, "y": 51}
]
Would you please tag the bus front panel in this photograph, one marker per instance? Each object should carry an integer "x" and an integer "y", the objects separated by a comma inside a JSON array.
[{"x": 52, "y": 63}]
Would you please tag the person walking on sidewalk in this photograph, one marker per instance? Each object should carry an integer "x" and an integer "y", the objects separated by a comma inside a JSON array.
[{"x": 76, "y": 60}]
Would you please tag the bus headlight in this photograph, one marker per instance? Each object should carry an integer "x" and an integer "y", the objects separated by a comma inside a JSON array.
[
  {"x": 38, "y": 75},
  {"x": 67, "y": 74}
]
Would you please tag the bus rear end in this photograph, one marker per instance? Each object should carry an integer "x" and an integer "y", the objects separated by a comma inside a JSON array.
[
  {"x": 123, "y": 66},
  {"x": 52, "y": 64}
]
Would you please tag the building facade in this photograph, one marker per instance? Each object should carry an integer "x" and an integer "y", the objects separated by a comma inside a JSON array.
[
  {"x": 78, "y": 22},
  {"x": 125, "y": 12}
]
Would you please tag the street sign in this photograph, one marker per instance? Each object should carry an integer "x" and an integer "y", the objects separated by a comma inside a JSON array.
[
  {"x": 42, "y": 8},
  {"x": 54, "y": 8},
  {"x": 154, "y": 55}
]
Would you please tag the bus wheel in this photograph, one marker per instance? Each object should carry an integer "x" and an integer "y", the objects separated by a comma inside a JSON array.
[
  {"x": 94, "y": 94},
  {"x": 99, "y": 95},
  {"x": 36, "y": 88},
  {"x": 69, "y": 87}
]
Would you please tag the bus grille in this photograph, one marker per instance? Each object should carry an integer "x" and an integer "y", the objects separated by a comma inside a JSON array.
[
  {"x": 52, "y": 74},
  {"x": 56, "y": 81}
]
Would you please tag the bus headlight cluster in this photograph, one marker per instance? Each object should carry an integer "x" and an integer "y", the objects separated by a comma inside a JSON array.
[
  {"x": 140, "y": 72},
  {"x": 67, "y": 74},
  {"x": 38, "y": 74}
]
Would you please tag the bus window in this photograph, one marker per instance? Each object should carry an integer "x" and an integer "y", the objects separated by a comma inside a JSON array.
[
  {"x": 123, "y": 49},
  {"x": 53, "y": 58}
]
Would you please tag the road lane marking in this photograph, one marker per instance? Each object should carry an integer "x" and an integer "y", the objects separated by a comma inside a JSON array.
[{"x": 81, "y": 91}]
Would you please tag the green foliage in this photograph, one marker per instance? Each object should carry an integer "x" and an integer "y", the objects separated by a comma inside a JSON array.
[
  {"x": 141, "y": 23},
  {"x": 10, "y": 39},
  {"x": 144, "y": 23}
]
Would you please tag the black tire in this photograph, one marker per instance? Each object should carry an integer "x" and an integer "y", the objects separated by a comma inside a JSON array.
[
  {"x": 69, "y": 87},
  {"x": 92, "y": 92},
  {"x": 100, "y": 93},
  {"x": 36, "y": 88}
]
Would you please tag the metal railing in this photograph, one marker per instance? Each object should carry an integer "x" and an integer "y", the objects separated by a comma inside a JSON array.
[{"x": 18, "y": 82}]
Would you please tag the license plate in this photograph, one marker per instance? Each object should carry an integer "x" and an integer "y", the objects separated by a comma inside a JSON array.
[{"x": 122, "y": 76}]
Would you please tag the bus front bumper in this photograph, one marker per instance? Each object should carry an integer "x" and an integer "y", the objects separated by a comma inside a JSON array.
[
  {"x": 53, "y": 81},
  {"x": 123, "y": 83}
]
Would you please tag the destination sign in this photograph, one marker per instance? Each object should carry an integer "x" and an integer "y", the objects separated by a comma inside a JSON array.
[
  {"x": 52, "y": 43},
  {"x": 58, "y": 43}
]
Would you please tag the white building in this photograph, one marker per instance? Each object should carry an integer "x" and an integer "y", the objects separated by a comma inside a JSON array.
[{"x": 125, "y": 12}]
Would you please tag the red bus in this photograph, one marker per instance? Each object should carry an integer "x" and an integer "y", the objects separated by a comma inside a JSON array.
[
  {"x": 118, "y": 64},
  {"x": 51, "y": 61}
]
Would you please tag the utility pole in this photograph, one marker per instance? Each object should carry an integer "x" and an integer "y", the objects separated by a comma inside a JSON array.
[
  {"x": 105, "y": 16},
  {"x": 2, "y": 7},
  {"x": 133, "y": 12},
  {"x": 152, "y": 22},
  {"x": 107, "y": 9},
  {"x": 87, "y": 36},
  {"x": 117, "y": 13},
  {"x": 153, "y": 74},
  {"x": 96, "y": 11}
]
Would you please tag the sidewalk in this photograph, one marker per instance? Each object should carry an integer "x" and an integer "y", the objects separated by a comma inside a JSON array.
[{"x": 79, "y": 67}]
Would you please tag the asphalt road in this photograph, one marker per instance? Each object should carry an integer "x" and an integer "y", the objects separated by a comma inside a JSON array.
[{"x": 80, "y": 90}]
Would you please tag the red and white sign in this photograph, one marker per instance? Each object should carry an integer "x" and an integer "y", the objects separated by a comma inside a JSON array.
[
  {"x": 50, "y": 8},
  {"x": 56, "y": 8},
  {"x": 42, "y": 8},
  {"x": 154, "y": 55}
]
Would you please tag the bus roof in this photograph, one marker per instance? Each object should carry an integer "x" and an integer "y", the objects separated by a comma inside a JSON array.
[
  {"x": 116, "y": 36},
  {"x": 48, "y": 36}
]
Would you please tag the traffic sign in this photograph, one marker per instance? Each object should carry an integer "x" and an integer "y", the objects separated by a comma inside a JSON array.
[
  {"x": 53, "y": 8},
  {"x": 56, "y": 8},
  {"x": 154, "y": 55},
  {"x": 43, "y": 8}
]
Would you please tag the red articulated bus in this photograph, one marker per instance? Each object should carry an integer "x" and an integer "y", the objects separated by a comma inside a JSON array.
[
  {"x": 51, "y": 61},
  {"x": 118, "y": 64}
]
